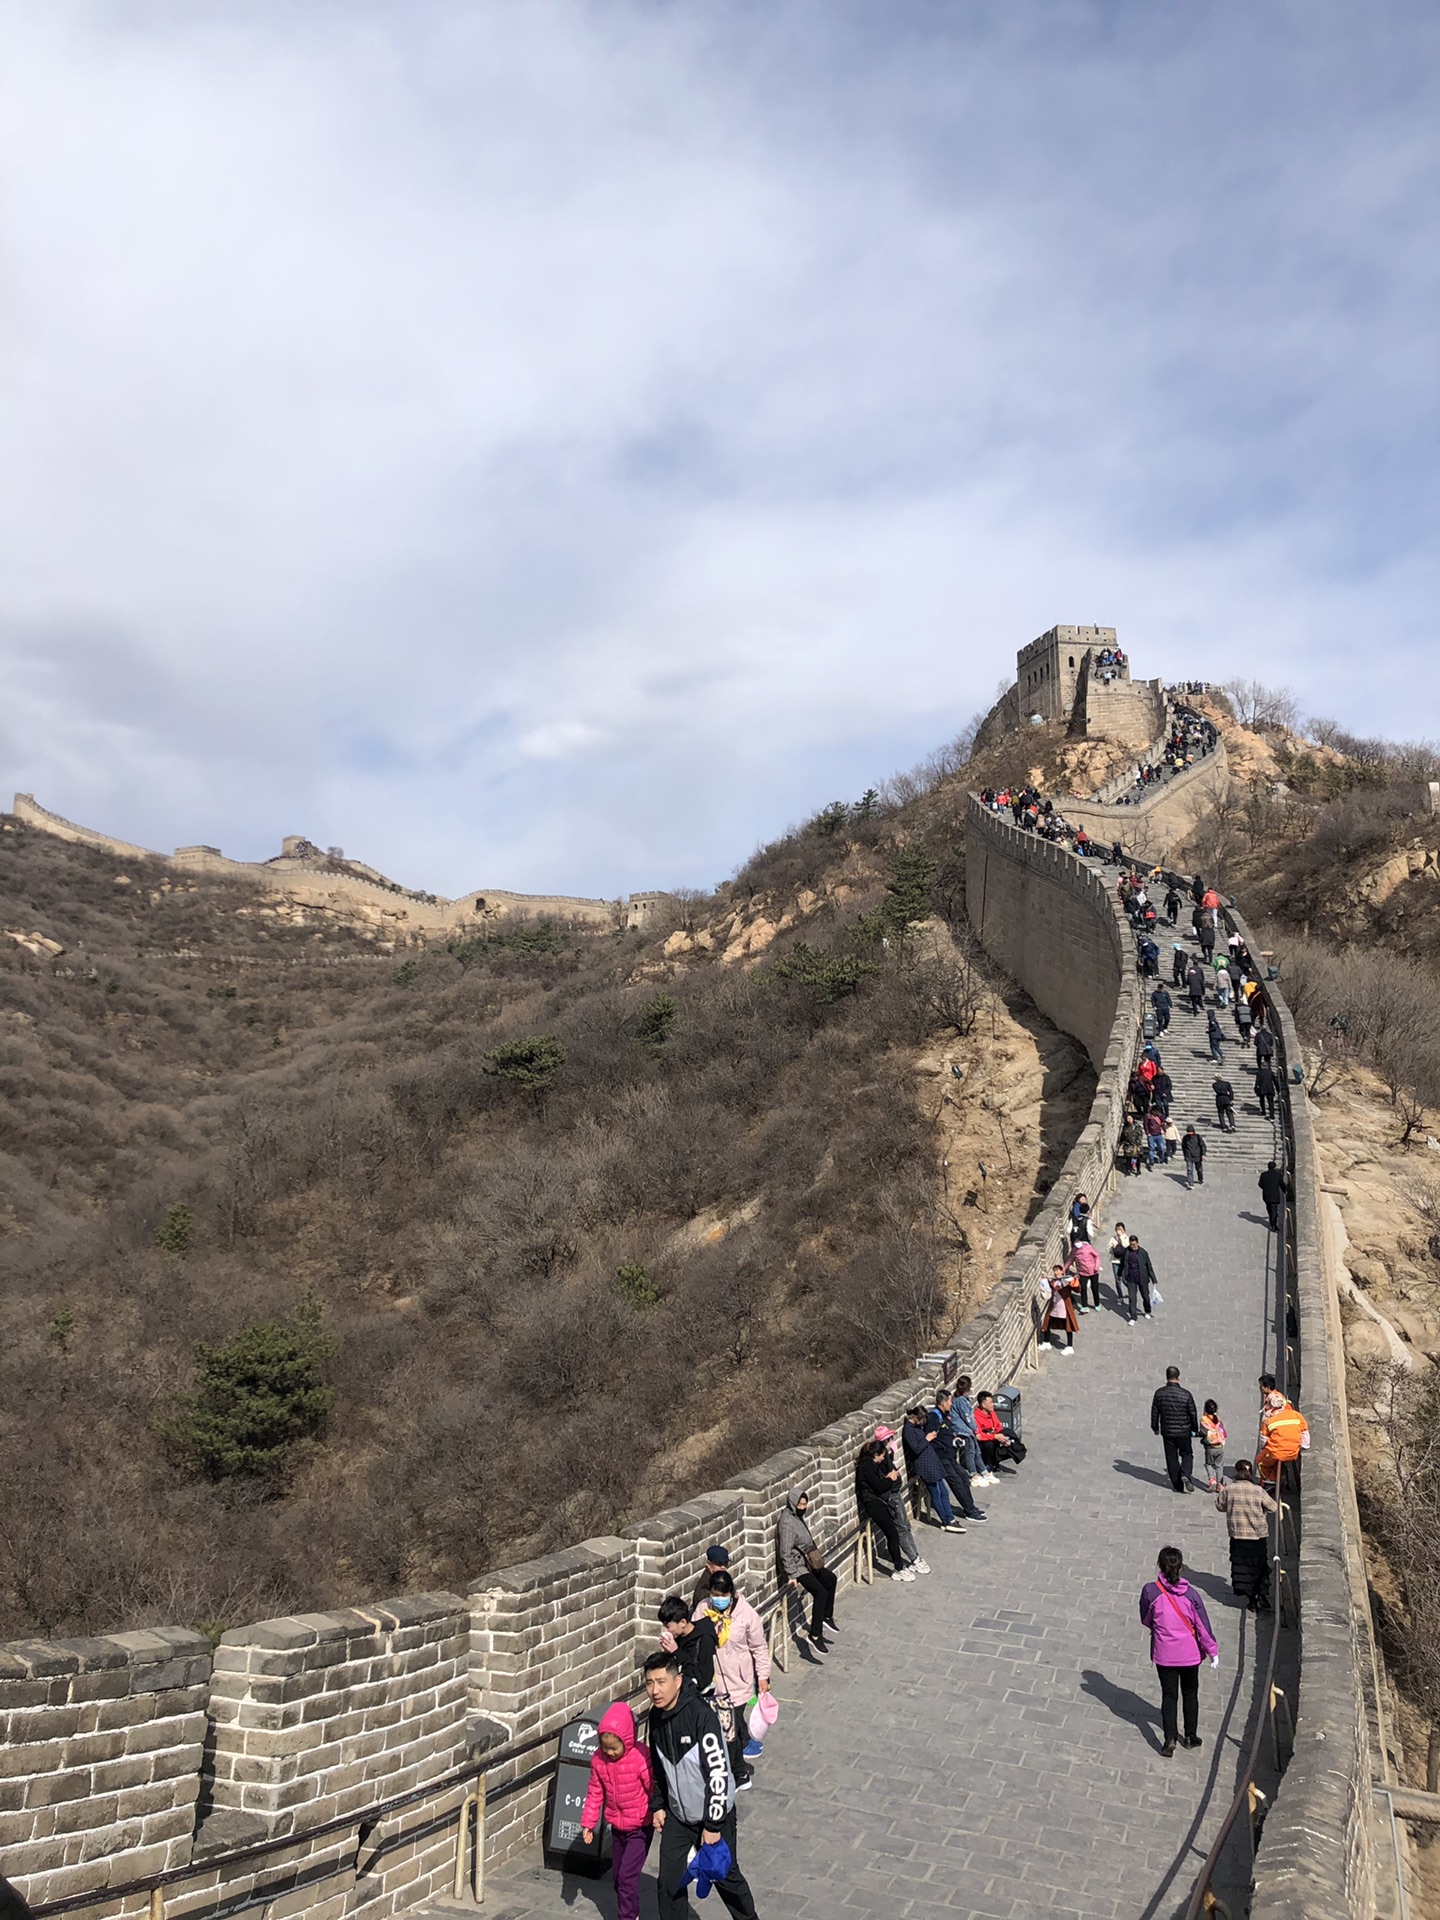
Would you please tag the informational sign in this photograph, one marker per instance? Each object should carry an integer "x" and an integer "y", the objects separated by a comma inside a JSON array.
[{"x": 579, "y": 1743}]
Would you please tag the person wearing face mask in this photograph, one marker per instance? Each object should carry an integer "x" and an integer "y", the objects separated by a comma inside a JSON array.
[
  {"x": 742, "y": 1665},
  {"x": 801, "y": 1564}
]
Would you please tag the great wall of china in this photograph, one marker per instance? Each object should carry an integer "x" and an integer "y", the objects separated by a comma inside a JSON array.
[
  {"x": 309, "y": 876},
  {"x": 327, "y": 1764}
]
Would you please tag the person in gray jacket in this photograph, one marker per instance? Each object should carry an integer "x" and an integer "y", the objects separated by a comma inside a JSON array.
[{"x": 802, "y": 1565}]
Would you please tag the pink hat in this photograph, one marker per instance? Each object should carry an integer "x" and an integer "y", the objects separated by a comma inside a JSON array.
[{"x": 884, "y": 1433}]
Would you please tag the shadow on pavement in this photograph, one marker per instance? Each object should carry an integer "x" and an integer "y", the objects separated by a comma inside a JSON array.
[
  {"x": 1149, "y": 1474},
  {"x": 1124, "y": 1704}
]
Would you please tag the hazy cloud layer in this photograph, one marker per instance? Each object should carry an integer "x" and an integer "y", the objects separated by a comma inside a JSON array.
[{"x": 553, "y": 445}]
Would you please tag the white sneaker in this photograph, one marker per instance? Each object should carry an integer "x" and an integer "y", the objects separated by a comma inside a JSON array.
[
  {"x": 905, "y": 1573},
  {"x": 1067, "y": 1353},
  {"x": 920, "y": 1566}
]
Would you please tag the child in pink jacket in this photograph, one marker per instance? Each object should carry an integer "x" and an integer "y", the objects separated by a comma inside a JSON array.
[{"x": 620, "y": 1782}]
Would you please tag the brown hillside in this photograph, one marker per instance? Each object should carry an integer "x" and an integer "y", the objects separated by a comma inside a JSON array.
[{"x": 552, "y": 1308}]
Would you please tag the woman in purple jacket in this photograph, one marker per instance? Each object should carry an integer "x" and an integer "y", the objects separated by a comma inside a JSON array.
[{"x": 1180, "y": 1638}]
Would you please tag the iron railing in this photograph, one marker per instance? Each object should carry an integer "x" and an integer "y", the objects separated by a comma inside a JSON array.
[{"x": 774, "y": 1609}]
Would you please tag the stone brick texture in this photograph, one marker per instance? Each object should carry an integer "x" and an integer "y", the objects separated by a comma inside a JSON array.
[
  {"x": 100, "y": 1761},
  {"x": 110, "y": 1754}
]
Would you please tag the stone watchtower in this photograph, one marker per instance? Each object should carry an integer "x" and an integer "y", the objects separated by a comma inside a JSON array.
[{"x": 1051, "y": 670}]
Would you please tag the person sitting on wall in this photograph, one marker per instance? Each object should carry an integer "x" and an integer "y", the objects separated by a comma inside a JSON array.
[
  {"x": 995, "y": 1444},
  {"x": 876, "y": 1478},
  {"x": 802, "y": 1565}
]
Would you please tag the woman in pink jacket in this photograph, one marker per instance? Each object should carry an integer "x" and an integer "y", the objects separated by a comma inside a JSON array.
[
  {"x": 620, "y": 1783},
  {"x": 1180, "y": 1638},
  {"x": 742, "y": 1665}
]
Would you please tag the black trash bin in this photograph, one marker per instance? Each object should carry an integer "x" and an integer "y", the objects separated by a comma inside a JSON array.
[{"x": 1007, "y": 1410}]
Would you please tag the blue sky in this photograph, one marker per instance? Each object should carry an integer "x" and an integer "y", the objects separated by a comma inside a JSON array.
[{"x": 555, "y": 446}]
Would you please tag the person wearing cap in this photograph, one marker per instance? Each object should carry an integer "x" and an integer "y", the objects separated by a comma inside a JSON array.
[{"x": 717, "y": 1560}]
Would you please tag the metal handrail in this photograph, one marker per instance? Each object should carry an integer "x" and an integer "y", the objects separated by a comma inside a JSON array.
[
  {"x": 364, "y": 1820},
  {"x": 1203, "y": 1899}
]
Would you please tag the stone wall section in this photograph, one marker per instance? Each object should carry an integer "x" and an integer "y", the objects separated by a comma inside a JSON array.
[
  {"x": 328, "y": 1715},
  {"x": 1154, "y": 828},
  {"x": 100, "y": 1762},
  {"x": 326, "y": 887},
  {"x": 1322, "y": 1856}
]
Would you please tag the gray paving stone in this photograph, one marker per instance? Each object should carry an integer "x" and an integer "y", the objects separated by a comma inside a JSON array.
[{"x": 985, "y": 1742}]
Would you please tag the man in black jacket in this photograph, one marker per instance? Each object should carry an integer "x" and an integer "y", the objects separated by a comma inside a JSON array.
[
  {"x": 1224, "y": 1103},
  {"x": 693, "y": 1795},
  {"x": 1137, "y": 1270},
  {"x": 1161, "y": 1001},
  {"x": 695, "y": 1642},
  {"x": 1192, "y": 1151},
  {"x": 1274, "y": 1186},
  {"x": 1173, "y": 1417},
  {"x": 1267, "y": 1085},
  {"x": 1195, "y": 985}
]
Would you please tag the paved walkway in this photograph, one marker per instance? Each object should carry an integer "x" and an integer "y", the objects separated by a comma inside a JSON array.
[{"x": 986, "y": 1741}]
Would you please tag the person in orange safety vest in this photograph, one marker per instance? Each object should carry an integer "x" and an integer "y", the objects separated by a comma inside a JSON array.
[{"x": 1284, "y": 1435}]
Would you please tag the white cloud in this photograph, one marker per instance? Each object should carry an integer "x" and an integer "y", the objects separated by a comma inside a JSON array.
[{"x": 552, "y": 446}]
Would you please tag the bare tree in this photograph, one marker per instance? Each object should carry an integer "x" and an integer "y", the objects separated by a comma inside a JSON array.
[{"x": 1257, "y": 705}]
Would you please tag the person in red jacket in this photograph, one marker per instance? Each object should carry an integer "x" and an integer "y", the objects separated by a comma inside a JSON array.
[
  {"x": 995, "y": 1444},
  {"x": 621, "y": 1783}
]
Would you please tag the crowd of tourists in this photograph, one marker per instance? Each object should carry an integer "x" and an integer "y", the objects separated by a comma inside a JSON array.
[
  {"x": 1190, "y": 739},
  {"x": 709, "y": 1681}
]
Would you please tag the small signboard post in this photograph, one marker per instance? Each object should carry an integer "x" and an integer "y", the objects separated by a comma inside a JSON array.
[{"x": 564, "y": 1848}]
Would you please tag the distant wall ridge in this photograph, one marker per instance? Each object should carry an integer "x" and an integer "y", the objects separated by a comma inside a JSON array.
[{"x": 310, "y": 876}]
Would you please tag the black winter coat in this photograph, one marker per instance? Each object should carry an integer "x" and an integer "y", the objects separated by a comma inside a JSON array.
[{"x": 1172, "y": 1412}]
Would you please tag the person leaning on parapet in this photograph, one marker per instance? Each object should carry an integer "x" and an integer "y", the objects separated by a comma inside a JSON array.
[
  {"x": 1138, "y": 1272},
  {"x": 802, "y": 1564},
  {"x": 1247, "y": 1507},
  {"x": 1274, "y": 1186},
  {"x": 1174, "y": 1418},
  {"x": 692, "y": 1801},
  {"x": 899, "y": 1497},
  {"x": 1284, "y": 1433},
  {"x": 919, "y": 1434},
  {"x": 948, "y": 1444},
  {"x": 742, "y": 1665},
  {"x": 876, "y": 1478},
  {"x": 962, "y": 1413}
]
